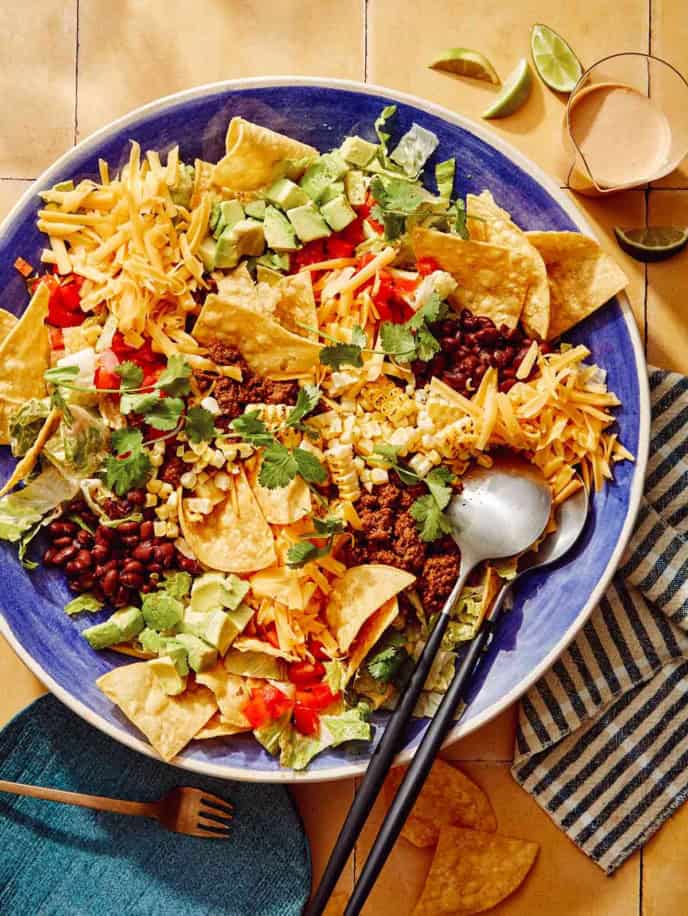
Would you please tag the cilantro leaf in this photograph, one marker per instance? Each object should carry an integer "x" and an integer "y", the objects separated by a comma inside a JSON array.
[
  {"x": 398, "y": 340},
  {"x": 389, "y": 454},
  {"x": 460, "y": 227},
  {"x": 328, "y": 525},
  {"x": 427, "y": 344},
  {"x": 200, "y": 425},
  {"x": 394, "y": 195},
  {"x": 393, "y": 223},
  {"x": 306, "y": 402},
  {"x": 130, "y": 465},
  {"x": 138, "y": 403},
  {"x": 60, "y": 375},
  {"x": 252, "y": 429},
  {"x": 434, "y": 310},
  {"x": 279, "y": 466},
  {"x": 174, "y": 379},
  {"x": 130, "y": 373},
  {"x": 431, "y": 522},
  {"x": 309, "y": 467},
  {"x": 338, "y": 355},
  {"x": 303, "y": 552},
  {"x": 358, "y": 337},
  {"x": 439, "y": 482},
  {"x": 163, "y": 413}
]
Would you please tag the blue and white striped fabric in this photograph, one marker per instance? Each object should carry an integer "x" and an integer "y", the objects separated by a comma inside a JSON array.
[{"x": 602, "y": 739}]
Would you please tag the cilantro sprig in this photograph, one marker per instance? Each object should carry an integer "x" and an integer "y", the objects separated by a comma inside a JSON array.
[
  {"x": 129, "y": 466},
  {"x": 304, "y": 551},
  {"x": 414, "y": 339}
]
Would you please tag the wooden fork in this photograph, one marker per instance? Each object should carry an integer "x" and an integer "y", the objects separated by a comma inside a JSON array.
[{"x": 183, "y": 810}]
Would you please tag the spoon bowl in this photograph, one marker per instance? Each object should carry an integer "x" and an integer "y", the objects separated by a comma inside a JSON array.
[{"x": 571, "y": 517}]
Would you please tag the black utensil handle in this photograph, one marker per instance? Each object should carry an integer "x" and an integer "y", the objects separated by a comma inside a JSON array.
[
  {"x": 419, "y": 768},
  {"x": 378, "y": 767}
]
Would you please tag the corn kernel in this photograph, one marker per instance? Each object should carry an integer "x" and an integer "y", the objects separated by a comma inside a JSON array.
[
  {"x": 151, "y": 500},
  {"x": 365, "y": 446},
  {"x": 189, "y": 457},
  {"x": 159, "y": 529},
  {"x": 156, "y": 460},
  {"x": 379, "y": 475},
  {"x": 188, "y": 480},
  {"x": 172, "y": 500},
  {"x": 203, "y": 477},
  {"x": 163, "y": 511},
  {"x": 172, "y": 530},
  {"x": 166, "y": 489},
  {"x": 222, "y": 481},
  {"x": 217, "y": 459},
  {"x": 154, "y": 486}
]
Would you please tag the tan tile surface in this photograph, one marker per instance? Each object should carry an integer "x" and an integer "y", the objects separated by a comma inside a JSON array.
[
  {"x": 404, "y": 38},
  {"x": 666, "y": 294},
  {"x": 10, "y": 192},
  {"x": 670, "y": 41},
  {"x": 171, "y": 48},
  {"x": 37, "y": 58},
  {"x": 663, "y": 865},
  {"x": 494, "y": 741}
]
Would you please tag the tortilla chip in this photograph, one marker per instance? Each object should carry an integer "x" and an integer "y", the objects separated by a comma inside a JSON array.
[
  {"x": 24, "y": 467},
  {"x": 284, "y": 505},
  {"x": 489, "y": 223},
  {"x": 281, "y": 584},
  {"x": 370, "y": 632},
  {"x": 251, "y": 644},
  {"x": 266, "y": 346},
  {"x": 255, "y": 156},
  {"x": 360, "y": 592},
  {"x": 238, "y": 288},
  {"x": 217, "y": 727},
  {"x": 169, "y": 723},
  {"x": 581, "y": 277},
  {"x": 24, "y": 357},
  {"x": 7, "y": 323},
  {"x": 296, "y": 305},
  {"x": 230, "y": 693},
  {"x": 125, "y": 649},
  {"x": 492, "y": 280},
  {"x": 473, "y": 871},
  {"x": 448, "y": 797},
  {"x": 234, "y": 537}
]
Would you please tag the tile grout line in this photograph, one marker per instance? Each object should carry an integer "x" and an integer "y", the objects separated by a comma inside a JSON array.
[{"x": 76, "y": 76}]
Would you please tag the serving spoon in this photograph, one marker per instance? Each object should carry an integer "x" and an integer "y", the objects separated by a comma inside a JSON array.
[{"x": 501, "y": 511}]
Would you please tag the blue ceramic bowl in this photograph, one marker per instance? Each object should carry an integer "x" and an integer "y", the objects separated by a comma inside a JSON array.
[{"x": 549, "y": 608}]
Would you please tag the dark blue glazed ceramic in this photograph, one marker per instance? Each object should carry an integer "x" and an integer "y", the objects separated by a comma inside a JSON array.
[{"x": 549, "y": 607}]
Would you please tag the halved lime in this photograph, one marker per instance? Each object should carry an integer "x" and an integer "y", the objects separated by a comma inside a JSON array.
[
  {"x": 514, "y": 93},
  {"x": 464, "y": 62},
  {"x": 555, "y": 62},
  {"x": 653, "y": 243}
]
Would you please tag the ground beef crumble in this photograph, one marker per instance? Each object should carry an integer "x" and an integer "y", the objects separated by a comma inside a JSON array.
[{"x": 389, "y": 535}]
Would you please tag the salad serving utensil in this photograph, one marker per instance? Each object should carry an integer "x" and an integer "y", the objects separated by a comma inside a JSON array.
[
  {"x": 500, "y": 512},
  {"x": 182, "y": 810}
]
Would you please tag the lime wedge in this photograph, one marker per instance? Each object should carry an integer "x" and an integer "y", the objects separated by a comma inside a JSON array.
[
  {"x": 655, "y": 243},
  {"x": 555, "y": 62},
  {"x": 514, "y": 93},
  {"x": 464, "y": 62}
]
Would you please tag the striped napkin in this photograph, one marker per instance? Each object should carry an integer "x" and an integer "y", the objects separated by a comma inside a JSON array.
[{"x": 602, "y": 738}]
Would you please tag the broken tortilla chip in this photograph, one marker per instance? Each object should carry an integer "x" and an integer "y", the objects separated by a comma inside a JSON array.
[
  {"x": 24, "y": 357},
  {"x": 473, "y": 871},
  {"x": 168, "y": 722},
  {"x": 448, "y": 797},
  {"x": 281, "y": 584},
  {"x": 26, "y": 465},
  {"x": 234, "y": 537},
  {"x": 487, "y": 222},
  {"x": 360, "y": 592},
  {"x": 238, "y": 288},
  {"x": 369, "y": 634},
  {"x": 267, "y": 347},
  {"x": 492, "y": 280},
  {"x": 296, "y": 305},
  {"x": 284, "y": 505},
  {"x": 7, "y": 323},
  {"x": 255, "y": 156},
  {"x": 217, "y": 727},
  {"x": 581, "y": 276},
  {"x": 230, "y": 692}
]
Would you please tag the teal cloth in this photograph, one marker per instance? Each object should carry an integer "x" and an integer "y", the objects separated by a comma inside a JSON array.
[{"x": 59, "y": 860}]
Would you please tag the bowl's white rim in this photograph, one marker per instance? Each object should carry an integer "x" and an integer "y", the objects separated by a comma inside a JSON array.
[{"x": 354, "y": 769}]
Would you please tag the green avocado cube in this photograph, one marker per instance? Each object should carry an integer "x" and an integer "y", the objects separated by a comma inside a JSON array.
[
  {"x": 151, "y": 640},
  {"x": 201, "y": 656},
  {"x": 215, "y": 627},
  {"x": 279, "y": 233},
  {"x": 338, "y": 213},
  {"x": 102, "y": 635},
  {"x": 255, "y": 208},
  {"x": 357, "y": 151},
  {"x": 161, "y": 612},
  {"x": 207, "y": 251},
  {"x": 175, "y": 650},
  {"x": 182, "y": 189},
  {"x": 129, "y": 621},
  {"x": 243, "y": 238},
  {"x": 274, "y": 260},
  {"x": 355, "y": 187},
  {"x": 231, "y": 212},
  {"x": 286, "y": 194},
  {"x": 317, "y": 177},
  {"x": 331, "y": 191},
  {"x": 308, "y": 223},
  {"x": 64, "y": 185},
  {"x": 171, "y": 681}
]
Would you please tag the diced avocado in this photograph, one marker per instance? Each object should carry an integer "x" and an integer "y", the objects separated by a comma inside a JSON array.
[
  {"x": 240, "y": 617},
  {"x": 182, "y": 189},
  {"x": 243, "y": 238},
  {"x": 151, "y": 640},
  {"x": 286, "y": 194},
  {"x": 129, "y": 622},
  {"x": 177, "y": 652},
  {"x": 206, "y": 251},
  {"x": 308, "y": 223},
  {"x": 255, "y": 664},
  {"x": 338, "y": 213},
  {"x": 231, "y": 212},
  {"x": 169, "y": 678},
  {"x": 356, "y": 187},
  {"x": 331, "y": 191},
  {"x": 64, "y": 185},
  {"x": 323, "y": 172},
  {"x": 201, "y": 656},
  {"x": 255, "y": 208},
  {"x": 162, "y": 612},
  {"x": 216, "y": 590},
  {"x": 279, "y": 233},
  {"x": 273, "y": 260},
  {"x": 102, "y": 635},
  {"x": 215, "y": 627},
  {"x": 357, "y": 151},
  {"x": 267, "y": 275}
]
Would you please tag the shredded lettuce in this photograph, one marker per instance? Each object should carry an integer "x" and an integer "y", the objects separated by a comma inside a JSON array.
[
  {"x": 444, "y": 176},
  {"x": 442, "y": 671},
  {"x": 336, "y": 675},
  {"x": 26, "y": 423},
  {"x": 24, "y": 508},
  {"x": 414, "y": 149},
  {"x": 297, "y": 750},
  {"x": 269, "y": 735},
  {"x": 465, "y": 617},
  {"x": 86, "y": 602},
  {"x": 380, "y": 123},
  {"x": 80, "y": 450}
]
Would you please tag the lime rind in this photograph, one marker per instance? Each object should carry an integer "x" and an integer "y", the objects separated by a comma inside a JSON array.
[
  {"x": 514, "y": 93},
  {"x": 466, "y": 62},
  {"x": 554, "y": 59},
  {"x": 653, "y": 243}
]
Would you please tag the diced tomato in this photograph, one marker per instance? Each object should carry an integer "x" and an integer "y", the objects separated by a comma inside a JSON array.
[
  {"x": 364, "y": 209},
  {"x": 311, "y": 253},
  {"x": 71, "y": 293},
  {"x": 319, "y": 696},
  {"x": 303, "y": 674},
  {"x": 276, "y": 701},
  {"x": 353, "y": 233},
  {"x": 64, "y": 310},
  {"x": 306, "y": 720},
  {"x": 106, "y": 377},
  {"x": 339, "y": 248},
  {"x": 256, "y": 710},
  {"x": 427, "y": 266},
  {"x": 318, "y": 650},
  {"x": 56, "y": 338},
  {"x": 269, "y": 632},
  {"x": 143, "y": 356},
  {"x": 388, "y": 302}
]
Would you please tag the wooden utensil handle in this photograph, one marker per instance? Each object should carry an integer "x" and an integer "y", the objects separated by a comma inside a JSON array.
[{"x": 98, "y": 802}]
